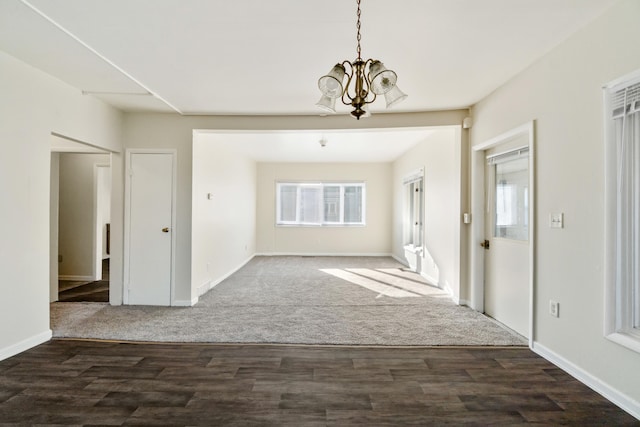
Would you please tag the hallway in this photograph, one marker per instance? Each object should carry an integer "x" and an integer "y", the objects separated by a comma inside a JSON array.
[{"x": 98, "y": 291}]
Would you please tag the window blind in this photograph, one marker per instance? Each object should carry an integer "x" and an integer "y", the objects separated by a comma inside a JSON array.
[
  {"x": 507, "y": 156},
  {"x": 625, "y": 100}
]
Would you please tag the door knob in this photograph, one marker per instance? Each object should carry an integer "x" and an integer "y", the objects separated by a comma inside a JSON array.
[
  {"x": 165, "y": 230},
  {"x": 485, "y": 244}
]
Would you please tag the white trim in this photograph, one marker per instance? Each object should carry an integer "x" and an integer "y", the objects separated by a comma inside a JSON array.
[
  {"x": 478, "y": 161},
  {"x": 400, "y": 260},
  {"x": 97, "y": 231},
  {"x": 325, "y": 254},
  {"x": 76, "y": 278},
  {"x": 210, "y": 284},
  {"x": 618, "y": 319},
  {"x": 26, "y": 344},
  {"x": 185, "y": 302},
  {"x": 627, "y": 340},
  {"x": 617, "y": 397},
  {"x": 434, "y": 282},
  {"x": 449, "y": 291},
  {"x": 626, "y": 80},
  {"x": 413, "y": 176},
  {"x": 464, "y": 302},
  {"x": 127, "y": 219},
  {"x": 204, "y": 288}
]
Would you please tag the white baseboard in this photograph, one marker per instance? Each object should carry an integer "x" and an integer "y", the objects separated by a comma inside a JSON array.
[
  {"x": 204, "y": 288},
  {"x": 24, "y": 345},
  {"x": 322, "y": 254},
  {"x": 76, "y": 278},
  {"x": 400, "y": 260},
  {"x": 433, "y": 281},
  {"x": 210, "y": 284},
  {"x": 185, "y": 302},
  {"x": 618, "y": 398}
]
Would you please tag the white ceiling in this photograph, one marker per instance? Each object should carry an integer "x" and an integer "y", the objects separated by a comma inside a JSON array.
[
  {"x": 265, "y": 56},
  {"x": 347, "y": 146}
]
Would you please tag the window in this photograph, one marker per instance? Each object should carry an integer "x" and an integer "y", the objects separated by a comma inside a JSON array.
[
  {"x": 622, "y": 192},
  {"x": 413, "y": 205},
  {"x": 511, "y": 177},
  {"x": 323, "y": 203}
]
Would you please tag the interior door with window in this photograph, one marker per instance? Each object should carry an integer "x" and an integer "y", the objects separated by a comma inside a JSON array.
[{"x": 506, "y": 243}]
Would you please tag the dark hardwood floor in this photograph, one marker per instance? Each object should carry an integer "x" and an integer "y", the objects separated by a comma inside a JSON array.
[
  {"x": 98, "y": 291},
  {"x": 67, "y": 382}
]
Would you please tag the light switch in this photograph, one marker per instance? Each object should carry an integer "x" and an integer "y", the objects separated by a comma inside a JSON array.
[
  {"x": 556, "y": 220},
  {"x": 209, "y": 196}
]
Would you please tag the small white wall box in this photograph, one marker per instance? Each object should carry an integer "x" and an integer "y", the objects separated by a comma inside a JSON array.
[{"x": 556, "y": 220}]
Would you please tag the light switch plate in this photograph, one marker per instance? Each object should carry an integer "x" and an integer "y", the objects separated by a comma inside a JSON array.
[
  {"x": 554, "y": 308},
  {"x": 556, "y": 220}
]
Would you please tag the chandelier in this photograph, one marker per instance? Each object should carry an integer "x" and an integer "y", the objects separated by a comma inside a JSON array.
[{"x": 365, "y": 80}]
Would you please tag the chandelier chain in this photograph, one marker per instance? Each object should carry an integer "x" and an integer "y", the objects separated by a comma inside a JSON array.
[{"x": 359, "y": 36}]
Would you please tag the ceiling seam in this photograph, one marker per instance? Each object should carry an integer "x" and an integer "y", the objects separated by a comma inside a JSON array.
[{"x": 99, "y": 55}]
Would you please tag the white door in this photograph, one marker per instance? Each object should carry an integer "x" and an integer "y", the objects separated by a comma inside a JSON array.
[
  {"x": 506, "y": 286},
  {"x": 150, "y": 233}
]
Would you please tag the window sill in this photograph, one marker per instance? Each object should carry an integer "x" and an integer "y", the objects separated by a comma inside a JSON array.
[
  {"x": 320, "y": 225},
  {"x": 631, "y": 341}
]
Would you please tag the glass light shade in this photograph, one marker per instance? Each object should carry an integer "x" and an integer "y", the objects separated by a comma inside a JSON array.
[
  {"x": 382, "y": 80},
  {"x": 327, "y": 104},
  {"x": 331, "y": 84},
  {"x": 394, "y": 96}
]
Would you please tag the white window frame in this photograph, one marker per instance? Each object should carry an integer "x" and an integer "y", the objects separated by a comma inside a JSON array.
[
  {"x": 320, "y": 185},
  {"x": 621, "y": 284},
  {"x": 413, "y": 222}
]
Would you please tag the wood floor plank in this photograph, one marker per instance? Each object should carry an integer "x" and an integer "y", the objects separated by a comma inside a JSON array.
[{"x": 66, "y": 382}]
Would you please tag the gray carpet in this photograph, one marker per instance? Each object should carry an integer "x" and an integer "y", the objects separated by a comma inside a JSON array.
[{"x": 298, "y": 300}]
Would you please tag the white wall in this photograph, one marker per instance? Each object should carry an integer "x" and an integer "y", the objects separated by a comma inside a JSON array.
[
  {"x": 562, "y": 92},
  {"x": 76, "y": 215},
  {"x": 33, "y": 105},
  {"x": 152, "y": 130},
  {"x": 224, "y": 226},
  {"x": 372, "y": 239},
  {"x": 439, "y": 155}
]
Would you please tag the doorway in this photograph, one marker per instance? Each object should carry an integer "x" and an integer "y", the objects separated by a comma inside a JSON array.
[
  {"x": 79, "y": 211},
  {"x": 413, "y": 222},
  {"x": 502, "y": 256},
  {"x": 506, "y": 244}
]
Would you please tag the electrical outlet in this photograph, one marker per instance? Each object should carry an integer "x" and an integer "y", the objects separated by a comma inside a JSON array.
[{"x": 554, "y": 308}]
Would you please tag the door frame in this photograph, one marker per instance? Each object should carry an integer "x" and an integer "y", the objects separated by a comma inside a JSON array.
[
  {"x": 478, "y": 214},
  {"x": 97, "y": 234},
  {"x": 127, "y": 217}
]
